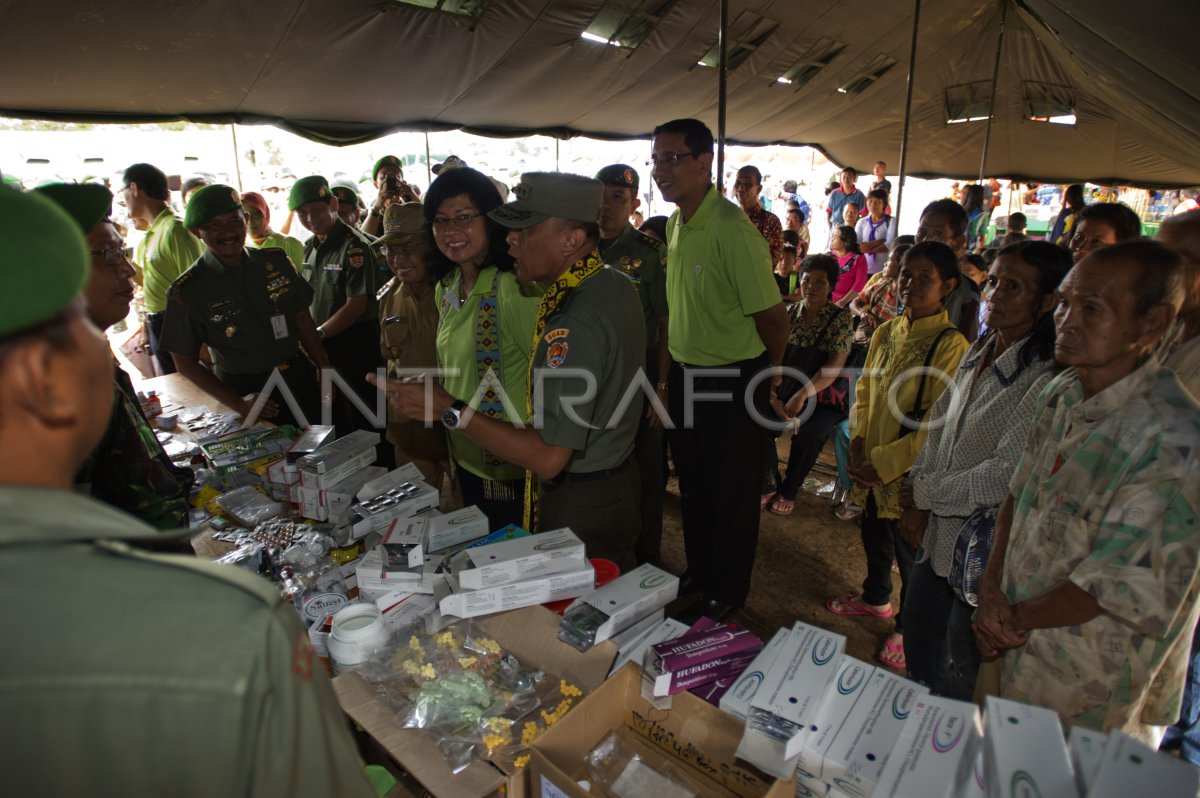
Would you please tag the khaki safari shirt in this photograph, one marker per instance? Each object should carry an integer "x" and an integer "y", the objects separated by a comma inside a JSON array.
[
  {"x": 231, "y": 310},
  {"x": 408, "y": 339},
  {"x": 1106, "y": 496},
  {"x": 167, "y": 251},
  {"x": 596, "y": 332},
  {"x": 132, "y": 673}
]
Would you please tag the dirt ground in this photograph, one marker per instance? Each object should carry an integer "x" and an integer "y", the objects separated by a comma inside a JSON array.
[{"x": 803, "y": 560}]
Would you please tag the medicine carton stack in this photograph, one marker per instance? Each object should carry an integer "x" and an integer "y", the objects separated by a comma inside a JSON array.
[{"x": 515, "y": 573}]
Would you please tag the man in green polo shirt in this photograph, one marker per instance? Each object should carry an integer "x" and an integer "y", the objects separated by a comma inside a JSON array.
[
  {"x": 587, "y": 348},
  {"x": 167, "y": 251},
  {"x": 251, "y": 308},
  {"x": 341, "y": 266},
  {"x": 727, "y": 326},
  {"x": 642, "y": 259},
  {"x": 149, "y": 674}
]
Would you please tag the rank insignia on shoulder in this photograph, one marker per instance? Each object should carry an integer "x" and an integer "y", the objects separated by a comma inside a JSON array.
[{"x": 556, "y": 354}]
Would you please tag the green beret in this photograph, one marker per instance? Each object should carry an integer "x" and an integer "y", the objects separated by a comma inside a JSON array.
[
  {"x": 43, "y": 260},
  {"x": 307, "y": 189},
  {"x": 387, "y": 160},
  {"x": 619, "y": 174},
  {"x": 346, "y": 195},
  {"x": 208, "y": 202},
  {"x": 86, "y": 204}
]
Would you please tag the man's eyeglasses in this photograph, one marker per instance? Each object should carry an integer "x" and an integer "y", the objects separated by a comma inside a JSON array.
[
  {"x": 671, "y": 159},
  {"x": 112, "y": 257},
  {"x": 448, "y": 222}
]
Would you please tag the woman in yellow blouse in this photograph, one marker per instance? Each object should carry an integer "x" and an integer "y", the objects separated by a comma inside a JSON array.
[{"x": 887, "y": 423}]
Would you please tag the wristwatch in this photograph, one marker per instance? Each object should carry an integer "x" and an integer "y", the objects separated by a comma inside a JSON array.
[{"x": 452, "y": 416}]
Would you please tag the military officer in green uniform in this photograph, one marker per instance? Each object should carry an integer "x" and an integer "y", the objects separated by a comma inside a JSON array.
[
  {"x": 137, "y": 673},
  {"x": 388, "y": 176},
  {"x": 128, "y": 469},
  {"x": 644, "y": 260},
  {"x": 588, "y": 345},
  {"x": 350, "y": 207},
  {"x": 345, "y": 279},
  {"x": 251, "y": 308}
]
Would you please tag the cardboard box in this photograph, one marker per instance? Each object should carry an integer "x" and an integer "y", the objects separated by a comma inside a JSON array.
[
  {"x": 853, "y": 676},
  {"x": 281, "y": 472},
  {"x": 935, "y": 752},
  {"x": 403, "y": 541},
  {"x": 335, "y": 454},
  {"x": 530, "y": 634},
  {"x": 736, "y": 700},
  {"x": 629, "y": 598},
  {"x": 793, "y": 690},
  {"x": 538, "y": 590},
  {"x": 339, "y": 498},
  {"x": 454, "y": 528},
  {"x": 556, "y": 552},
  {"x": 374, "y": 582},
  {"x": 860, "y": 747},
  {"x": 1085, "y": 747},
  {"x": 975, "y": 785},
  {"x": 421, "y": 498},
  {"x": 403, "y": 475},
  {"x": 631, "y": 634},
  {"x": 315, "y": 479},
  {"x": 1024, "y": 745},
  {"x": 635, "y": 650},
  {"x": 401, "y": 610},
  {"x": 694, "y": 735},
  {"x": 1130, "y": 768}
]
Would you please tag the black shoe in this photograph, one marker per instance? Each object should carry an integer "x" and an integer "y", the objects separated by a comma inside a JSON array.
[
  {"x": 707, "y": 608},
  {"x": 689, "y": 584}
]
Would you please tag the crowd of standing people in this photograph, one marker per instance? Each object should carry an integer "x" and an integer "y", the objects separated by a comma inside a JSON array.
[{"x": 1016, "y": 434}]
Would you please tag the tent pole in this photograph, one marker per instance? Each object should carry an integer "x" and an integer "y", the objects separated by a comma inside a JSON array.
[
  {"x": 722, "y": 36},
  {"x": 908, "y": 94},
  {"x": 987, "y": 133},
  {"x": 428, "y": 164},
  {"x": 237, "y": 165},
  {"x": 556, "y": 167}
]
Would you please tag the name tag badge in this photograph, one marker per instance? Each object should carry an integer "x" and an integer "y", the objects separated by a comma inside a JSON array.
[
  {"x": 279, "y": 326},
  {"x": 452, "y": 299}
]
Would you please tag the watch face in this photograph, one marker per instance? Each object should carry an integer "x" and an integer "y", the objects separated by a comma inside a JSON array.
[{"x": 450, "y": 417}]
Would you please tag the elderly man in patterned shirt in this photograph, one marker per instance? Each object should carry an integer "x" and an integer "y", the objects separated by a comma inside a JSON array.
[
  {"x": 748, "y": 188},
  {"x": 1091, "y": 590}
]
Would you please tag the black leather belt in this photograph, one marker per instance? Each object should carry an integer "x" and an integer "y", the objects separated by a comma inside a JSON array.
[{"x": 591, "y": 476}]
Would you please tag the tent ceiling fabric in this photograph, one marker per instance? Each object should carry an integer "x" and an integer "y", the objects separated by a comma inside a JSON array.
[{"x": 344, "y": 71}]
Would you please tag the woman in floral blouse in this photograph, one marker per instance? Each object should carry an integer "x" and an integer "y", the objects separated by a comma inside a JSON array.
[{"x": 819, "y": 342}]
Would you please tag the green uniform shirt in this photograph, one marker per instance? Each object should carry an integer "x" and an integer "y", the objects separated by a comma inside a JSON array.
[
  {"x": 516, "y": 308},
  {"x": 642, "y": 259},
  {"x": 130, "y": 470},
  {"x": 167, "y": 251},
  {"x": 231, "y": 310},
  {"x": 597, "y": 331},
  {"x": 153, "y": 674},
  {"x": 340, "y": 267},
  {"x": 294, "y": 247},
  {"x": 718, "y": 276}
]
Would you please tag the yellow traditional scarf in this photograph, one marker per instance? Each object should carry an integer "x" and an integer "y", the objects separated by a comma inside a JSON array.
[{"x": 552, "y": 302}]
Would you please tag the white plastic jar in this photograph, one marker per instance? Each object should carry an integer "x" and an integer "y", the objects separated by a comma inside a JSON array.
[{"x": 356, "y": 634}]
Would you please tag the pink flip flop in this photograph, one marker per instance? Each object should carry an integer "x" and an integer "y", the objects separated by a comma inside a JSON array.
[
  {"x": 892, "y": 655},
  {"x": 853, "y": 606}
]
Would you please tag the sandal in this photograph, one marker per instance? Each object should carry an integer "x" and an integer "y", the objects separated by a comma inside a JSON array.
[
  {"x": 892, "y": 654},
  {"x": 765, "y": 500},
  {"x": 851, "y": 606},
  {"x": 782, "y": 506}
]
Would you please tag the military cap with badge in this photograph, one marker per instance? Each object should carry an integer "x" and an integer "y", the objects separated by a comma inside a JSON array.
[{"x": 308, "y": 189}]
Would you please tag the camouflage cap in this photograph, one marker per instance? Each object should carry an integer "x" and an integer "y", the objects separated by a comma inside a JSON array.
[
  {"x": 402, "y": 222},
  {"x": 43, "y": 260},
  {"x": 619, "y": 174},
  {"x": 387, "y": 160},
  {"x": 452, "y": 162},
  {"x": 308, "y": 189},
  {"x": 542, "y": 195},
  {"x": 87, "y": 204},
  {"x": 208, "y": 202}
]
